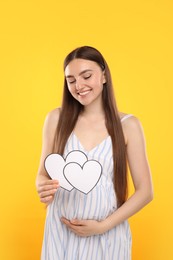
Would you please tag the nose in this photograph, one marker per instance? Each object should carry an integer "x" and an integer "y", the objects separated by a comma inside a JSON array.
[{"x": 79, "y": 84}]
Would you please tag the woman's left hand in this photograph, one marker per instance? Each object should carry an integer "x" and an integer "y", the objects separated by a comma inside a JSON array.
[{"x": 84, "y": 228}]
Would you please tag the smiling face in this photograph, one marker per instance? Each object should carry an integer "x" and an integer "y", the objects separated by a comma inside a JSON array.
[{"x": 85, "y": 80}]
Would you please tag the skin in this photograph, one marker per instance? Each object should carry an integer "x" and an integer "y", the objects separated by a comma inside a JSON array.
[{"x": 85, "y": 82}]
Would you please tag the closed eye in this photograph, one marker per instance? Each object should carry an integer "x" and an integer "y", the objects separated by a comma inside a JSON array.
[
  {"x": 71, "y": 82},
  {"x": 87, "y": 77}
]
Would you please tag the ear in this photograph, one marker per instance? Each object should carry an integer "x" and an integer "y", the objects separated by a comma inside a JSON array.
[{"x": 104, "y": 77}]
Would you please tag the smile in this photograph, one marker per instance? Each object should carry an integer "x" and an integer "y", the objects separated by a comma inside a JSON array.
[{"x": 83, "y": 93}]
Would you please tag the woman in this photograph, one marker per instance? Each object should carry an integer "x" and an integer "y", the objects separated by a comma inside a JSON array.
[{"x": 93, "y": 225}]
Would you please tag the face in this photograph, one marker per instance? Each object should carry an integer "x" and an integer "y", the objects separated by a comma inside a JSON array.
[{"x": 85, "y": 80}]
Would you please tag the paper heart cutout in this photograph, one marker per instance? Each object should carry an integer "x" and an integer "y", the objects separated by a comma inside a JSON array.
[
  {"x": 83, "y": 178},
  {"x": 55, "y": 163},
  {"x": 76, "y": 156}
]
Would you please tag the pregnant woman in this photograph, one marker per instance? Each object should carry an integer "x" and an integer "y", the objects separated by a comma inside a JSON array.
[{"x": 92, "y": 225}]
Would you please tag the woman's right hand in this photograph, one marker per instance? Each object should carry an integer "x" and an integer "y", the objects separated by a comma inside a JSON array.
[{"x": 46, "y": 190}]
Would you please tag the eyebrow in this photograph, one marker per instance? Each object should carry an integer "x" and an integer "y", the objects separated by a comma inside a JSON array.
[{"x": 82, "y": 72}]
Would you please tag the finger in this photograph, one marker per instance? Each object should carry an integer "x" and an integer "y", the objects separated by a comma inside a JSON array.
[
  {"x": 77, "y": 229},
  {"x": 47, "y": 193},
  {"x": 74, "y": 228},
  {"x": 46, "y": 200},
  {"x": 48, "y": 187},
  {"x": 48, "y": 182},
  {"x": 78, "y": 222},
  {"x": 68, "y": 224},
  {"x": 65, "y": 221}
]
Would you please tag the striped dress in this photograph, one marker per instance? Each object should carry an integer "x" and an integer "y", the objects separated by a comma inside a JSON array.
[{"x": 59, "y": 243}]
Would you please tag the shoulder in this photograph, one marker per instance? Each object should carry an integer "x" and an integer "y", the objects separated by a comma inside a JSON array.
[
  {"x": 53, "y": 115},
  {"x": 128, "y": 119},
  {"x": 131, "y": 125},
  {"x": 121, "y": 115},
  {"x": 51, "y": 119}
]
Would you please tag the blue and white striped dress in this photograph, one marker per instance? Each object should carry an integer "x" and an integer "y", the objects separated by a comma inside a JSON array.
[{"x": 59, "y": 242}]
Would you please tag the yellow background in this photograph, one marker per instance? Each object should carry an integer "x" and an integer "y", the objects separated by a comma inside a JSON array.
[{"x": 135, "y": 37}]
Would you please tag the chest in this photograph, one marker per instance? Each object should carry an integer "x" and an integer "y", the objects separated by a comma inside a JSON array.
[{"x": 90, "y": 134}]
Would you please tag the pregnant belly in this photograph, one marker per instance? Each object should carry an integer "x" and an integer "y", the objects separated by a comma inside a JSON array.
[{"x": 97, "y": 204}]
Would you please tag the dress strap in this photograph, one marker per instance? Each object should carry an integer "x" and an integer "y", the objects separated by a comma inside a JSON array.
[{"x": 125, "y": 117}]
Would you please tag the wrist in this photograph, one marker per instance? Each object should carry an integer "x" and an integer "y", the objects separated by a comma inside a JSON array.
[{"x": 104, "y": 226}]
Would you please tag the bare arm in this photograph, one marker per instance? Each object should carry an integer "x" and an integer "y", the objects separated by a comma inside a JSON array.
[
  {"x": 46, "y": 187},
  {"x": 140, "y": 172}
]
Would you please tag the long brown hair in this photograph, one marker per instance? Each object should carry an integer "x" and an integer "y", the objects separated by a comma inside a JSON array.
[{"x": 71, "y": 109}]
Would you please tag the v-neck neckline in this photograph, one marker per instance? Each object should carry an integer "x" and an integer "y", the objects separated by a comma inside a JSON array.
[{"x": 92, "y": 149}]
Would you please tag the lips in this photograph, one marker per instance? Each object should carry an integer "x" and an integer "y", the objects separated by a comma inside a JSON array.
[{"x": 84, "y": 92}]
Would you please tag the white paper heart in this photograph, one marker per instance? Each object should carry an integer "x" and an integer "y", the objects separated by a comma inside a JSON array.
[
  {"x": 76, "y": 156},
  {"x": 55, "y": 163},
  {"x": 83, "y": 178}
]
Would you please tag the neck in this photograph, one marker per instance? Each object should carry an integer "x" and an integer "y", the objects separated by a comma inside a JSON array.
[{"x": 94, "y": 110}]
